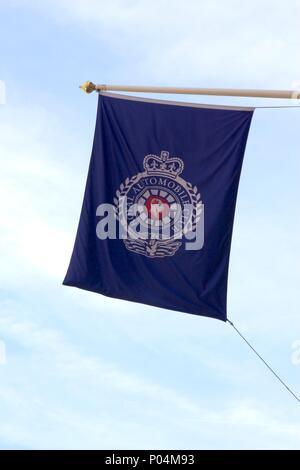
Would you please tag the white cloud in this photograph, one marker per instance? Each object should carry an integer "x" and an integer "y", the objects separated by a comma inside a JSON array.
[
  {"x": 52, "y": 355},
  {"x": 217, "y": 43},
  {"x": 34, "y": 228}
]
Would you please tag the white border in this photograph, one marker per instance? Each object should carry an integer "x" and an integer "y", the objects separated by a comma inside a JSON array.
[{"x": 176, "y": 103}]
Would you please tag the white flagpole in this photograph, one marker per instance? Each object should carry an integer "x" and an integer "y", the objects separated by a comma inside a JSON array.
[{"x": 89, "y": 87}]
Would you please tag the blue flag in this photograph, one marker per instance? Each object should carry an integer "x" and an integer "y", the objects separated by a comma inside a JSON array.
[{"x": 158, "y": 210}]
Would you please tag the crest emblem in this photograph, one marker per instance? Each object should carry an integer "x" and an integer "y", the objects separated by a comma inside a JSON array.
[{"x": 157, "y": 208}]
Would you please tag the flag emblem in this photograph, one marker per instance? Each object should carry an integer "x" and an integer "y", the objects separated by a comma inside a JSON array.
[{"x": 157, "y": 207}]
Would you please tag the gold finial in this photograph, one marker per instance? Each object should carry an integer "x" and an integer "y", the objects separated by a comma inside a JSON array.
[{"x": 88, "y": 87}]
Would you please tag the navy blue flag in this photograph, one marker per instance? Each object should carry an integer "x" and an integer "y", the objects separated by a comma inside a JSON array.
[{"x": 158, "y": 209}]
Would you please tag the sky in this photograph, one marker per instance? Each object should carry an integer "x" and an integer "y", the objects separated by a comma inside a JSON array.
[{"x": 81, "y": 371}]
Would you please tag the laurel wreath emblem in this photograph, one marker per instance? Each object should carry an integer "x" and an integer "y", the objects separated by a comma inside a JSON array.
[
  {"x": 191, "y": 217},
  {"x": 193, "y": 191}
]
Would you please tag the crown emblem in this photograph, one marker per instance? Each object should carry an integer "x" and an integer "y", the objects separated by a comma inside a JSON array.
[{"x": 163, "y": 165}]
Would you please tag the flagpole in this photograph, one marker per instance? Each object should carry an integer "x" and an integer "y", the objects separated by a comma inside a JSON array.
[{"x": 89, "y": 87}]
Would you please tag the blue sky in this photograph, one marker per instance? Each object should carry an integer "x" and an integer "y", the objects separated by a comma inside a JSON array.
[{"x": 85, "y": 371}]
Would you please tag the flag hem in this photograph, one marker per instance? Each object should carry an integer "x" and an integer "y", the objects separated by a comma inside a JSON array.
[{"x": 175, "y": 103}]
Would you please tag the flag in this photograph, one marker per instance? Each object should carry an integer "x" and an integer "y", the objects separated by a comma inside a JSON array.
[{"x": 158, "y": 209}]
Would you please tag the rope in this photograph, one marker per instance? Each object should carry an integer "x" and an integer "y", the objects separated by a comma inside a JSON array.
[{"x": 266, "y": 364}]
